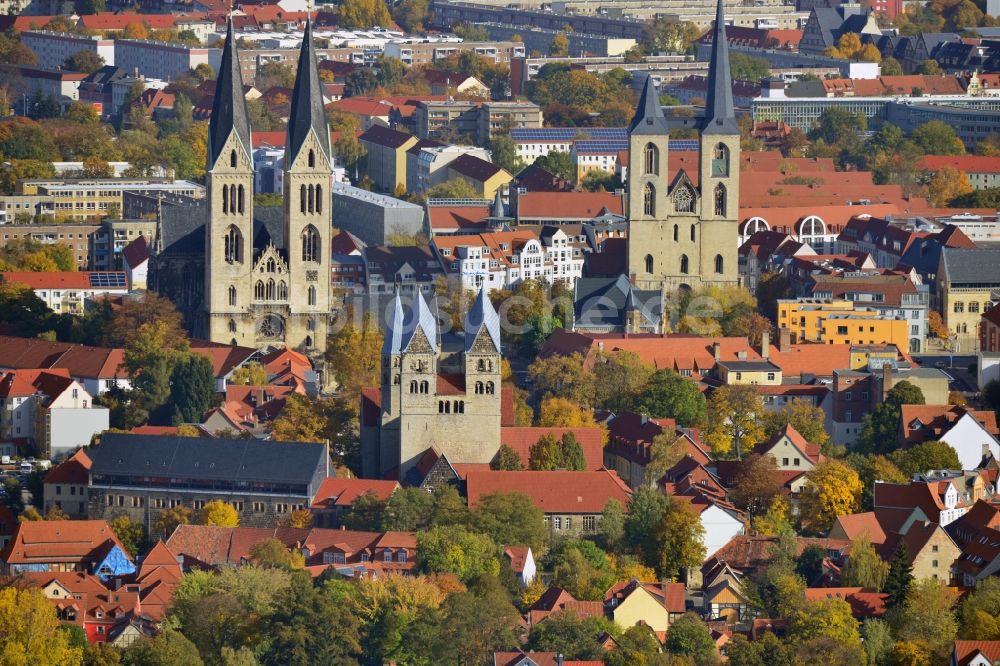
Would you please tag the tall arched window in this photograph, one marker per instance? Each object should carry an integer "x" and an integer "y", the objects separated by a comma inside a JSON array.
[
  {"x": 225, "y": 198},
  {"x": 269, "y": 292},
  {"x": 684, "y": 199},
  {"x": 720, "y": 200},
  {"x": 310, "y": 244},
  {"x": 649, "y": 263},
  {"x": 489, "y": 388},
  {"x": 319, "y": 198},
  {"x": 309, "y": 341},
  {"x": 312, "y": 159},
  {"x": 312, "y": 205},
  {"x": 232, "y": 295},
  {"x": 282, "y": 291},
  {"x": 232, "y": 158},
  {"x": 692, "y": 233},
  {"x": 719, "y": 264},
  {"x": 479, "y": 388},
  {"x": 413, "y": 386},
  {"x": 676, "y": 233},
  {"x": 272, "y": 266},
  {"x": 648, "y": 200},
  {"x": 684, "y": 264},
  {"x": 232, "y": 326},
  {"x": 312, "y": 295},
  {"x": 258, "y": 290},
  {"x": 720, "y": 160},
  {"x": 239, "y": 198},
  {"x": 652, "y": 159},
  {"x": 232, "y": 199},
  {"x": 233, "y": 245},
  {"x": 425, "y": 386},
  {"x": 302, "y": 198}
]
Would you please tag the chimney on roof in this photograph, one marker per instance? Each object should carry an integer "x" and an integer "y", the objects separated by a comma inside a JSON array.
[
  {"x": 717, "y": 350},
  {"x": 765, "y": 344},
  {"x": 784, "y": 339},
  {"x": 260, "y": 397}
]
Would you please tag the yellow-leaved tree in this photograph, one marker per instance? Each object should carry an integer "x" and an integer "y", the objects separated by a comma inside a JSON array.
[
  {"x": 29, "y": 631},
  {"x": 219, "y": 513},
  {"x": 834, "y": 489},
  {"x": 734, "y": 420},
  {"x": 563, "y": 413},
  {"x": 947, "y": 184}
]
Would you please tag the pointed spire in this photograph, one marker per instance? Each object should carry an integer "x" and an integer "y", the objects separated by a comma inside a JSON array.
[
  {"x": 482, "y": 315},
  {"x": 307, "y": 112},
  {"x": 720, "y": 118},
  {"x": 229, "y": 105},
  {"x": 497, "y": 205},
  {"x": 423, "y": 319},
  {"x": 393, "y": 342},
  {"x": 649, "y": 118}
]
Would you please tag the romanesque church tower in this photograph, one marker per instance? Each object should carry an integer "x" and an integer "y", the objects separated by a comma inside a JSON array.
[
  {"x": 433, "y": 398},
  {"x": 683, "y": 233},
  {"x": 267, "y": 281}
]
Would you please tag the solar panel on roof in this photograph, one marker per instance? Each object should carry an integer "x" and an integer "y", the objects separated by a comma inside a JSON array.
[
  {"x": 107, "y": 280},
  {"x": 684, "y": 144}
]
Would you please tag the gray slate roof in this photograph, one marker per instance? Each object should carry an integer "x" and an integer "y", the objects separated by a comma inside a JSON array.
[
  {"x": 229, "y": 106},
  {"x": 649, "y": 118},
  {"x": 720, "y": 115},
  {"x": 482, "y": 315},
  {"x": 971, "y": 266},
  {"x": 307, "y": 112},
  {"x": 198, "y": 458},
  {"x": 602, "y": 302}
]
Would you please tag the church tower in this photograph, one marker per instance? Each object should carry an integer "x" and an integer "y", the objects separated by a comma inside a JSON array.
[
  {"x": 683, "y": 234},
  {"x": 229, "y": 242},
  {"x": 308, "y": 170}
]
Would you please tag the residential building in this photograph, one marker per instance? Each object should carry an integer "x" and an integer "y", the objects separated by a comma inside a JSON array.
[
  {"x": 975, "y": 653},
  {"x": 79, "y": 237},
  {"x": 500, "y": 260},
  {"x": 939, "y": 501},
  {"x": 630, "y": 441},
  {"x": 572, "y": 502},
  {"x": 826, "y": 25},
  {"x": 429, "y": 52},
  {"x": 162, "y": 60},
  {"x": 57, "y": 85},
  {"x": 426, "y": 165},
  {"x": 65, "y": 486},
  {"x": 482, "y": 175},
  {"x": 404, "y": 269},
  {"x": 93, "y": 198},
  {"x": 71, "y": 292},
  {"x": 53, "y": 49},
  {"x": 385, "y": 161},
  {"x": 683, "y": 236},
  {"x": 89, "y": 546},
  {"x": 479, "y": 120},
  {"x": 989, "y": 330},
  {"x": 763, "y": 372},
  {"x": 615, "y": 305},
  {"x": 971, "y": 433},
  {"x": 273, "y": 479},
  {"x": 983, "y": 172},
  {"x": 966, "y": 281},
  {"x": 336, "y": 497},
  {"x": 136, "y": 260},
  {"x": 522, "y": 563},
  {"x": 375, "y": 219},
  {"x": 977, "y": 533},
  {"x": 655, "y": 605}
]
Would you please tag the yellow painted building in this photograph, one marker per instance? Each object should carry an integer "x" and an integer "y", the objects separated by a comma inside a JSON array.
[
  {"x": 864, "y": 327},
  {"x": 95, "y": 199},
  {"x": 484, "y": 177},
  {"x": 862, "y": 355},
  {"x": 749, "y": 372},
  {"x": 385, "y": 159},
  {"x": 802, "y": 316}
]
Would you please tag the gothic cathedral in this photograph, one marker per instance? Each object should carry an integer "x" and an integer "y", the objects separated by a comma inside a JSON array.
[
  {"x": 269, "y": 289},
  {"x": 683, "y": 233}
]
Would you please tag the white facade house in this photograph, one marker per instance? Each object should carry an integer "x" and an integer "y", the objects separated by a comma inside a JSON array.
[
  {"x": 720, "y": 527},
  {"x": 69, "y": 291},
  {"x": 971, "y": 441},
  {"x": 431, "y": 163},
  {"x": 53, "y": 49},
  {"x": 502, "y": 259}
]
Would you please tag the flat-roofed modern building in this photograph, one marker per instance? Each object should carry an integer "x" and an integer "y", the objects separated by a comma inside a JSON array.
[{"x": 143, "y": 475}]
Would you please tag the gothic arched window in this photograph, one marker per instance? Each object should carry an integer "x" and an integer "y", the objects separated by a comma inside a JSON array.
[
  {"x": 312, "y": 159},
  {"x": 312, "y": 295},
  {"x": 310, "y": 244},
  {"x": 312, "y": 204},
  {"x": 684, "y": 264},
  {"x": 719, "y": 264},
  {"x": 649, "y": 263},
  {"x": 720, "y": 160},
  {"x": 272, "y": 266},
  {"x": 232, "y": 199},
  {"x": 684, "y": 199},
  {"x": 489, "y": 388},
  {"x": 302, "y": 198},
  {"x": 282, "y": 291},
  {"x": 232, "y": 326},
  {"x": 232, "y": 158},
  {"x": 413, "y": 386},
  {"x": 649, "y": 200},
  {"x": 269, "y": 291},
  {"x": 239, "y": 197},
  {"x": 652, "y": 159},
  {"x": 479, "y": 388},
  {"x": 309, "y": 341},
  {"x": 319, "y": 198},
  {"x": 676, "y": 233},
  {"x": 225, "y": 198},
  {"x": 720, "y": 200},
  {"x": 692, "y": 233},
  {"x": 258, "y": 290},
  {"x": 232, "y": 295},
  {"x": 425, "y": 386},
  {"x": 233, "y": 245}
]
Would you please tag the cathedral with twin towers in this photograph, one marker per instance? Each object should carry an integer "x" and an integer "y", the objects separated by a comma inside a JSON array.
[{"x": 268, "y": 285}]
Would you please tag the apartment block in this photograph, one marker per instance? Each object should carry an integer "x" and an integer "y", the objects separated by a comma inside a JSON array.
[
  {"x": 426, "y": 53},
  {"x": 93, "y": 199},
  {"x": 162, "y": 60},
  {"x": 479, "y": 120},
  {"x": 54, "y": 48}
]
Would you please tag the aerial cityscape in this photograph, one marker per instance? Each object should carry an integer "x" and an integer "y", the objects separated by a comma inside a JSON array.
[{"x": 577, "y": 333}]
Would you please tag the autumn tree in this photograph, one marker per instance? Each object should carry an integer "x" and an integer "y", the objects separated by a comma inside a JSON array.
[
  {"x": 363, "y": 14},
  {"x": 354, "y": 354},
  {"x": 865, "y": 568},
  {"x": 665, "y": 451},
  {"x": 562, "y": 413},
  {"x": 734, "y": 419},
  {"x": 454, "y": 188},
  {"x": 681, "y": 538},
  {"x": 937, "y": 137},
  {"x": 619, "y": 380},
  {"x": 807, "y": 419},
  {"x": 946, "y": 185},
  {"x": 833, "y": 489},
  {"x": 559, "y": 48},
  {"x": 131, "y": 533},
  {"x": 689, "y": 637},
  {"x": 300, "y": 420},
  {"x": 510, "y": 518},
  {"x": 927, "y": 617},
  {"x": 562, "y": 376},
  {"x": 30, "y": 630},
  {"x": 979, "y": 613},
  {"x": 169, "y": 519},
  {"x": 456, "y": 550},
  {"x": 756, "y": 484},
  {"x": 219, "y": 513},
  {"x": 252, "y": 374},
  {"x": 507, "y": 460},
  {"x": 668, "y": 395},
  {"x": 924, "y": 457},
  {"x": 134, "y": 312},
  {"x": 825, "y": 618},
  {"x": 936, "y": 325}
]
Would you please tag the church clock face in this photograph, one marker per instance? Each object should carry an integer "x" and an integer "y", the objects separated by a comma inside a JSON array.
[{"x": 270, "y": 327}]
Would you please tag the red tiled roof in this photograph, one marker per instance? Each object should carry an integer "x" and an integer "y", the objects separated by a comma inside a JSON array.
[
  {"x": 70, "y": 541},
  {"x": 552, "y": 492},
  {"x": 54, "y": 279},
  {"x": 517, "y": 556},
  {"x": 522, "y": 438},
  {"x": 539, "y": 658},
  {"x": 120, "y": 21},
  {"x": 343, "y": 492},
  {"x": 567, "y": 205},
  {"x": 671, "y": 595},
  {"x": 964, "y": 651},
  {"x": 921, "y": 423},
  {"x": 818, "y": 360},
  {"x": 75, "y": 470},
  {"x": 864, "y": 604},
  {"x": 443, "y": 218},
  {"x": 362, "y": 106},
  {"x": 808, "y": 449},
  {"x": 966, "y": 163}
]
